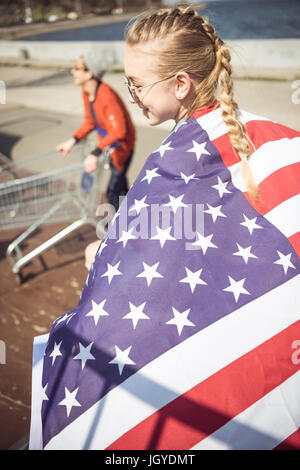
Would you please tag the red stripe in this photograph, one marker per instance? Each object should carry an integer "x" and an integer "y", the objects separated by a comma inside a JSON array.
[
  {"x": 206, "y": 109},
  {"x": 295, "y": 242},
  {"x": 277, "y": 188},
  {"x": 202, "y": 410},
  {"x": 291, "y": 443},
  {"x": 260, "y": 132}
]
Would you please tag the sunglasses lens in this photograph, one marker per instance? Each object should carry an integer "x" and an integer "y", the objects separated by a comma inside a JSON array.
[{"x": 131, "y": 92}]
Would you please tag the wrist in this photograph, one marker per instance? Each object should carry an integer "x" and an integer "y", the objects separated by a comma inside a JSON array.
[{"x": 96, "y": 152}]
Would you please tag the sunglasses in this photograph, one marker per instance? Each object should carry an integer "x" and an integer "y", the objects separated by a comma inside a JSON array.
[
  {"x": 83, "y": 69},
  {"x": 133, "y": 90}
]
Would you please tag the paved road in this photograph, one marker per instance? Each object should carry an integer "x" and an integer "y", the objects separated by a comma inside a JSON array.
[{"x": 53, "y": 90}]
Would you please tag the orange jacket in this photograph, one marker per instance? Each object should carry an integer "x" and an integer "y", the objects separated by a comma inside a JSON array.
[{"x": 113, "y": 117}]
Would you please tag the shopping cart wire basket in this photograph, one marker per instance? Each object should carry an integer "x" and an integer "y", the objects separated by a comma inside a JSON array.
[{"x": 48, "y": 188}]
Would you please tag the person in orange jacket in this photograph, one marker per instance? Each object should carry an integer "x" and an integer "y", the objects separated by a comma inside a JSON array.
[{"x": 105, "y": 112}]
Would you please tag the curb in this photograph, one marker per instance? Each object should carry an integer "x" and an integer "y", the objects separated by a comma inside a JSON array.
[
  {"x": 276, "y": 59},
  {"x": 239, "y": 72}
]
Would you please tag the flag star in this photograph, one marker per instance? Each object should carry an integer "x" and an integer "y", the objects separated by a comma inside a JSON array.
[
  {"x": 245, "y": 253},
  {"x": 175, "y": 202},
  {"x": 250, "y": 223},
  {"x": 122, "y": 358},
  {"x": 180, "y": 320},
  {"x": 97, "y": 311},
  {"x": 113, "y": 220},
  {"x": 139, "y": 204},
  {"x": 70, "y": 400},
  {"x": 64, "y": 318},
  {"x": 111, "y": 272},
  {"x": 84, "y": 354},
  {"x": 236, "y": 287},
  {"x": 221, "y": 187},
  {"x": 285, "y": 261},
  {"x": 204, "y": 242},
  {"x": 215, "y": 212},
  {"x": 103, "y": 244},
  {"x": 71, "y": 316},
  {"x": 193, "y": 278},
  {"x": 163, "y": 235},
  {"x": 164, "y": 148},
  {"x": 92, "y": 273},
  {"x": 126, "y": 236},
  {"x": 56, "y": 352},
  {"x": 149, "y": 272},
  {"x": 136, "y": 314},
  {"x": 43, "y": 393},
  {"x": 199, "y": 149},
  {"x": 187, "y": 178},
  {"x": 150, "y": 174}
]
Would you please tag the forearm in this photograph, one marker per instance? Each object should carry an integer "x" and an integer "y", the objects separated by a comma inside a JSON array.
[{"x": 83, "y": 130}]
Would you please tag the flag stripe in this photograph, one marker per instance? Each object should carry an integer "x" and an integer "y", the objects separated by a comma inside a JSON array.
[
  {"x": 286, "y": 216},
  {"x": 268, "y": 159},
  {"x": 271, "y": 141},
  {"x": 229, "y": 157},
  {"x": 216, "y": 128},
  {"x": 143, "y": 394},
  {"x": 260, "y": 427},
  {"x": 203, "y": 409},
  {"x": 290, "y": 443},
  {"x": 273, "y": 190},
  {"x": 295, "y": 242},
  {"x": 39, "y": 347},
  {"x": 260, "y": 130}
]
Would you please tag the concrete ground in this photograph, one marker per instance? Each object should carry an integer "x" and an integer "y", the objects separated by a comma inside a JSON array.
[{"x": 42, "y": 108}]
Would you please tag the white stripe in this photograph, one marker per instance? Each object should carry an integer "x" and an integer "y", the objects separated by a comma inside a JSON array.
[
  {"x": 286, "y": 216},
  {"x": 269, "y": 158},
  {"x": 263, "y": 425},
  {"x": 39, "y": 347},
  {"x": 181, "y": 368},
  {"x": 214, "y": 124}
]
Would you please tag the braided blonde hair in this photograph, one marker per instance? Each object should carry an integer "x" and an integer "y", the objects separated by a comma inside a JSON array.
[{"x": 191, "y": 44}]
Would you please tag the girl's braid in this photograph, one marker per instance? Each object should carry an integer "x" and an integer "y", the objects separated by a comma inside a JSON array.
[{"x": 236, "y": 130}]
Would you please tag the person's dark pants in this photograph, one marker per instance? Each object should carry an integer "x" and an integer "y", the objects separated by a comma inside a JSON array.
[{"x": 117, "y": 185}]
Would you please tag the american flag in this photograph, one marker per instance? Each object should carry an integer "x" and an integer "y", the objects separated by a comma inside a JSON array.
[{"x": 191, "y": 339}]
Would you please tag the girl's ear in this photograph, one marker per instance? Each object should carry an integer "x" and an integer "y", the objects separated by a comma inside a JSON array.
[{"x": 183, "y": 85}]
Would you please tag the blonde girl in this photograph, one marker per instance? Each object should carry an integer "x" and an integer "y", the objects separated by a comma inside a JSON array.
[{"x": 178, "y": 43}]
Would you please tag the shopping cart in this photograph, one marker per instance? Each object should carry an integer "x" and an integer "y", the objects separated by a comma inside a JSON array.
[{"x": 48, "y": 188}]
